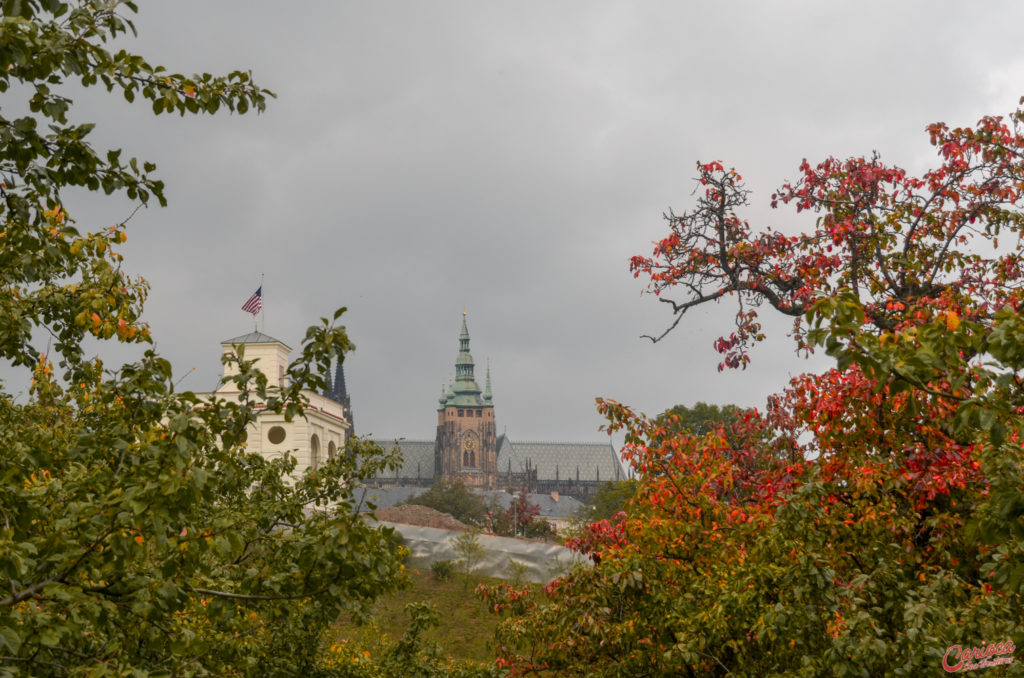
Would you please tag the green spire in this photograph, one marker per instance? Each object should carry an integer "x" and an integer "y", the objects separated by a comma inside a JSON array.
[
  {"x": 464, "y": 363},
  {"x": 465, "y": 391}
]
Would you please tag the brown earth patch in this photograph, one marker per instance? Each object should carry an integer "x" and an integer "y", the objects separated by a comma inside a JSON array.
[{"x": 424, "y": 516}]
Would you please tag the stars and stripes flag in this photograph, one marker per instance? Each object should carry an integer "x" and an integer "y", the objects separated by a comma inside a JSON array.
[{"x": 255, "y": 302}]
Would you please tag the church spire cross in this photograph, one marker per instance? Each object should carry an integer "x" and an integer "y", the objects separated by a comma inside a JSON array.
[
  {"x": 464, "y": 362},
  {"x": 465, "y": 391},
  {"x": 464, "y": 336}
]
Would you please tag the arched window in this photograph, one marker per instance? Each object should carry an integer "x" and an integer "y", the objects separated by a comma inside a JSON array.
[
  {"x": 331, "y": 449},
  {"x": 469, "y": 446},
  {"x": 314, "y": 451}
]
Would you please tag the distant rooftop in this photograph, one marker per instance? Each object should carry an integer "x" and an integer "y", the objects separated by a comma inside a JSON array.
[
  {"x": 417, "y": 458},
  {"x": 590, "y": 462},
  {"x": 255, "y": 338}
]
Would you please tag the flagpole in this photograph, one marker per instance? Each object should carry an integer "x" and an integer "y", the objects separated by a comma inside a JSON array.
[
  {"x": 254, "y": 305},
  {"x": 263, "y": 312}
]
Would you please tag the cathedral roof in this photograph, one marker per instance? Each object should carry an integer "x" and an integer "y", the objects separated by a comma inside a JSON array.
[
  {"x": 592, "y": 461},
  {"x": 417, "y": 459},
  {"x": 254, "y": 338},
  {"x": 595, "y": 461}
]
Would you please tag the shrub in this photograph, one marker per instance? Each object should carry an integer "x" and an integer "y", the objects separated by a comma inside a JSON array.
[
  {"x": 455, "y": 500},
  {"x": 442, "y": 569}
]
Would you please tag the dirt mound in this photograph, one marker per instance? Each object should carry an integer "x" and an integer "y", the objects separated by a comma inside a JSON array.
[{"x": 424, "y": 516}]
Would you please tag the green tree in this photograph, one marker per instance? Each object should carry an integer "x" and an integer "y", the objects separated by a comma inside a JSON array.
[
  {"x": 701, "y": 418},
  {"x": 469, "y": 550},
  {"x": 455, "y": 499},
  {"x": 139, "y": 536},
  {"x": 609, "y": 499}
]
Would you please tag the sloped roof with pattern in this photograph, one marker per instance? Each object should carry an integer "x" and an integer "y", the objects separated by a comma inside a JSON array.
[
  {"x": 417, "y": 458},
  {"x": 594, "y": 461},
  {"x": 254, "y": 338}
]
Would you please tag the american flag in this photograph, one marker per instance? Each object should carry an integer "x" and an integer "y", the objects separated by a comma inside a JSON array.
[{"x": 255, "y": 302}]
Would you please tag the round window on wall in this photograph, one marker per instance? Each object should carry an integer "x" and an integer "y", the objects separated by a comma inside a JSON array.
[{"x": 276, "y": 435}]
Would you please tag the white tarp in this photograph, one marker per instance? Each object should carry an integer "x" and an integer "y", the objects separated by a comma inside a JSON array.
[{"x": 542, "y": 561}]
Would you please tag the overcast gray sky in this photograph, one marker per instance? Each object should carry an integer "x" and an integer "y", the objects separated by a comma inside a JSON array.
[{"x": 508, "y": 158}]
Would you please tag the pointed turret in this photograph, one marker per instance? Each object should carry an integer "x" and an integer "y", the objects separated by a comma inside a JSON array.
[
  {"x": 488, "y": 398},
  {"x": 466, "y": 392},
  {"x": 338, "y": 390},
  {"x": 339, "y": 393}
]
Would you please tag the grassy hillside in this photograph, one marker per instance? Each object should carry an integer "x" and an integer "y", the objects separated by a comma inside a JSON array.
[{"x": 466, "y": 630}]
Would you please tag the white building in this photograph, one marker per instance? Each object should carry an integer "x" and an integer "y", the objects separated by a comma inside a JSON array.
[{"x": 312, "y": 439}]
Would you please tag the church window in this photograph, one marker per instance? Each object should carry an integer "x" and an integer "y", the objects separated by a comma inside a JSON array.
[
  {"x": 479, "y": 413},
  {"x": 462, "y": 413}
]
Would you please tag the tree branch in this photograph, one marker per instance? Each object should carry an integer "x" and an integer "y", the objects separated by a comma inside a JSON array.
[{"x": 247, "y": 596}]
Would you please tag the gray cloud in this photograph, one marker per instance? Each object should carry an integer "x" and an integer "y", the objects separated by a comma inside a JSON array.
[{"x": 508, "y": 159}]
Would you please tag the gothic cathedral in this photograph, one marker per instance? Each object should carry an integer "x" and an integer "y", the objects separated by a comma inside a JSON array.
[{"x": 466, "y": 448}]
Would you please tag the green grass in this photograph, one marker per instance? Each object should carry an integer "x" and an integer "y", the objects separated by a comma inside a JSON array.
[{"x": 466, "y": 630}]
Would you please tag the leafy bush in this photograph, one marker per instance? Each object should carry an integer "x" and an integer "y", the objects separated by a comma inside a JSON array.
[
  {"x": 608, "y": 501},
  {"x": 442, "y": 569},
  {"x": 454, "y": 499},
  {"x": 520, "y": 519},
  {"x": 538, "y": 528},
  {"x": 411, "y": 656}
]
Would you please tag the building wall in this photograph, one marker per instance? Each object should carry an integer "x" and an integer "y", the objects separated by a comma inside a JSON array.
[
  {"x": 311, "y": 440},
  {"x": 466, "y": 447}
]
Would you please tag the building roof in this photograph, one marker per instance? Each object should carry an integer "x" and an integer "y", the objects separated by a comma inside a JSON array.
[
  {"x": 590, "y": 461},
  {"x": 255, "y": 338},
  {"x": 594, "y": 461},
  {"x": 384, "y": 497},
  {"x": 417, "y": 459},
  {"x": 548, "y": 506}
]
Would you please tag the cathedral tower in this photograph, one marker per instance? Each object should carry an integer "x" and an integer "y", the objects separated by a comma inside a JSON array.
[{"x": 466, "y": 447}]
